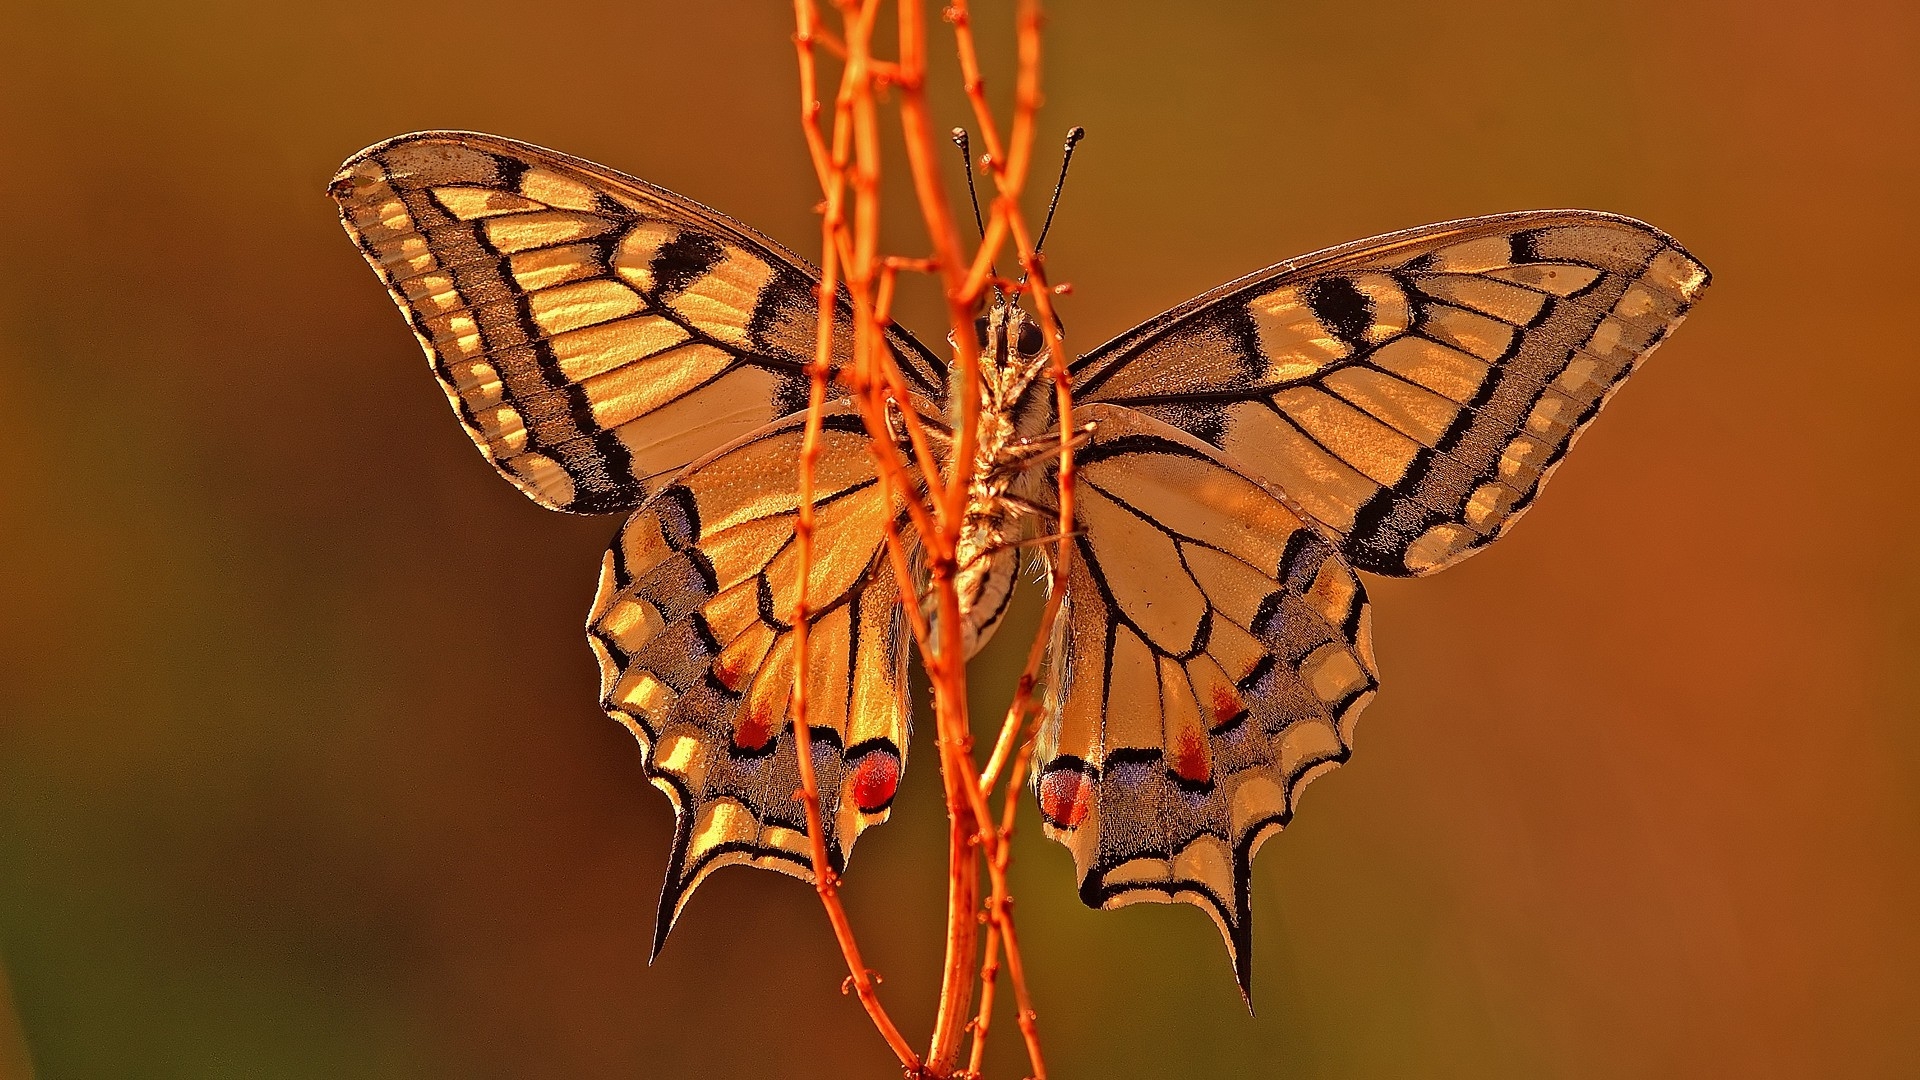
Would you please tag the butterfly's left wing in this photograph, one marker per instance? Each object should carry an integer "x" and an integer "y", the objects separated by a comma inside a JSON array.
[
  {"x": 1211, "y": 656},
  {"x": 1413, "y": 392},
  {"x": 697, "y": 657}
]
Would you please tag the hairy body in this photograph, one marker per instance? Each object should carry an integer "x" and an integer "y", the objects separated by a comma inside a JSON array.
[{"x": 1008, "y": 502}]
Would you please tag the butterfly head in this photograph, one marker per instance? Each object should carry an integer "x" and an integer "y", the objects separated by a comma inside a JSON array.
[
  {"x": 1015, "y": 355},
  {"x": 1013, "y": 343},
  {"x": 1008, "y": 337}
]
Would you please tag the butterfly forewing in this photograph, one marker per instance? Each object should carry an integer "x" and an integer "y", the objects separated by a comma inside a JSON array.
[
  {"x": 1412, "y": 392},
  {"x": 1212, "y": 655},
  {"x": 595, "y": 333},
  {"x": 697, "y": 657}
]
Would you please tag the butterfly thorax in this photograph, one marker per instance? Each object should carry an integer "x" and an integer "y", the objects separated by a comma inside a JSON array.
[{"x": 1000, "y": 516}]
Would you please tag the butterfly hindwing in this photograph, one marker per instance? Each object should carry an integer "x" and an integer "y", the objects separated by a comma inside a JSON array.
[
  {"x": 1211, "y": 656},
  {"x": 697, "y": 658},
  {"x": 1412, "y": 392},
  {"x": 595, "y": 333}
]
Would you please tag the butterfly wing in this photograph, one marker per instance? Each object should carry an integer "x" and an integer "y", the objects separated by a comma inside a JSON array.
[
  {"x": 1211, "y": 656},
  {"x": 1412, "y": 392},
  {"x": 594, "y": 333},
  {"x": 1392, "y": 405},
  {"x": 696, "y": 657}
]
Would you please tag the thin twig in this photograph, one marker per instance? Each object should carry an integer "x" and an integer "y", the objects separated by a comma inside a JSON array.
[
  {"x": 1000, "y": 932},
  {"x": 825, "y": 883},
  {"x": 935, "y": 504}
]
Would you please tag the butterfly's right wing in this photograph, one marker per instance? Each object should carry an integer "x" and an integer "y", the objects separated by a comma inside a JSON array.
[
  {"x": 1412, "y": 392},
  {"x": 595, "y": 333},
  {"x": 697, "y": 657}
]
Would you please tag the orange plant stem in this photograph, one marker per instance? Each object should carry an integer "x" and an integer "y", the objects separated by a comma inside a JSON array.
[
  {"x": 893, "y": 476},
  {"x": 1008, "y": 167},
  {"x": 948, "y": 668},
  {"x": 917, "y": 127},
  {"x": 851, "y": 252},
  {"x": 1000, "y": 932},
  {"x": 825, "y": 882},
  {"x": 963, "y": 898}
]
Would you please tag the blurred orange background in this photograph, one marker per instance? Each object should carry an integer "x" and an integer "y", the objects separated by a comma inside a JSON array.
[{"x": 301, "y": 772}]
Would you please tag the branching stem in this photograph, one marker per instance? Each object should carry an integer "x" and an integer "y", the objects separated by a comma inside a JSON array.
[{"x": 926, "y": 479}]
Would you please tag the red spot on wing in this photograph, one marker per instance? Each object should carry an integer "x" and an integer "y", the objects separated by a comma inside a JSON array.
[
  {"x": 1065, "y": 796},
  {"x": 1226, "y": 705},
  {"x": 1191, "y": 762},
  {"x": 754, "y": 730},
  {"x": 875, "y": 780}
]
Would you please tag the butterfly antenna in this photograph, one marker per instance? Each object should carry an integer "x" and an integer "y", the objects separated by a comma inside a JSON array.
[
  {"x": 1073, "y": 140},
  {"x": 966, "y": 158},
  {"x": 973, "y": 195}
]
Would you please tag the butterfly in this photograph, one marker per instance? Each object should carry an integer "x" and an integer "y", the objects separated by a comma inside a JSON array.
[{"x": 1389, "y": 406}]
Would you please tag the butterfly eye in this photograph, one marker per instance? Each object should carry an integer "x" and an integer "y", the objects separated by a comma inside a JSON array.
[
  {"x": 980, "y": 330},
  {"x": 1031, "y": 340}
]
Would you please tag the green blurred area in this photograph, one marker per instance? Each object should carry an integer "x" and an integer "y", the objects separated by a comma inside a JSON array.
[{"x": 301, "y": 772}]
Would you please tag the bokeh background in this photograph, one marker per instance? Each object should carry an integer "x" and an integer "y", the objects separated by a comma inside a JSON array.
[{"x": 301, "y": 773}]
